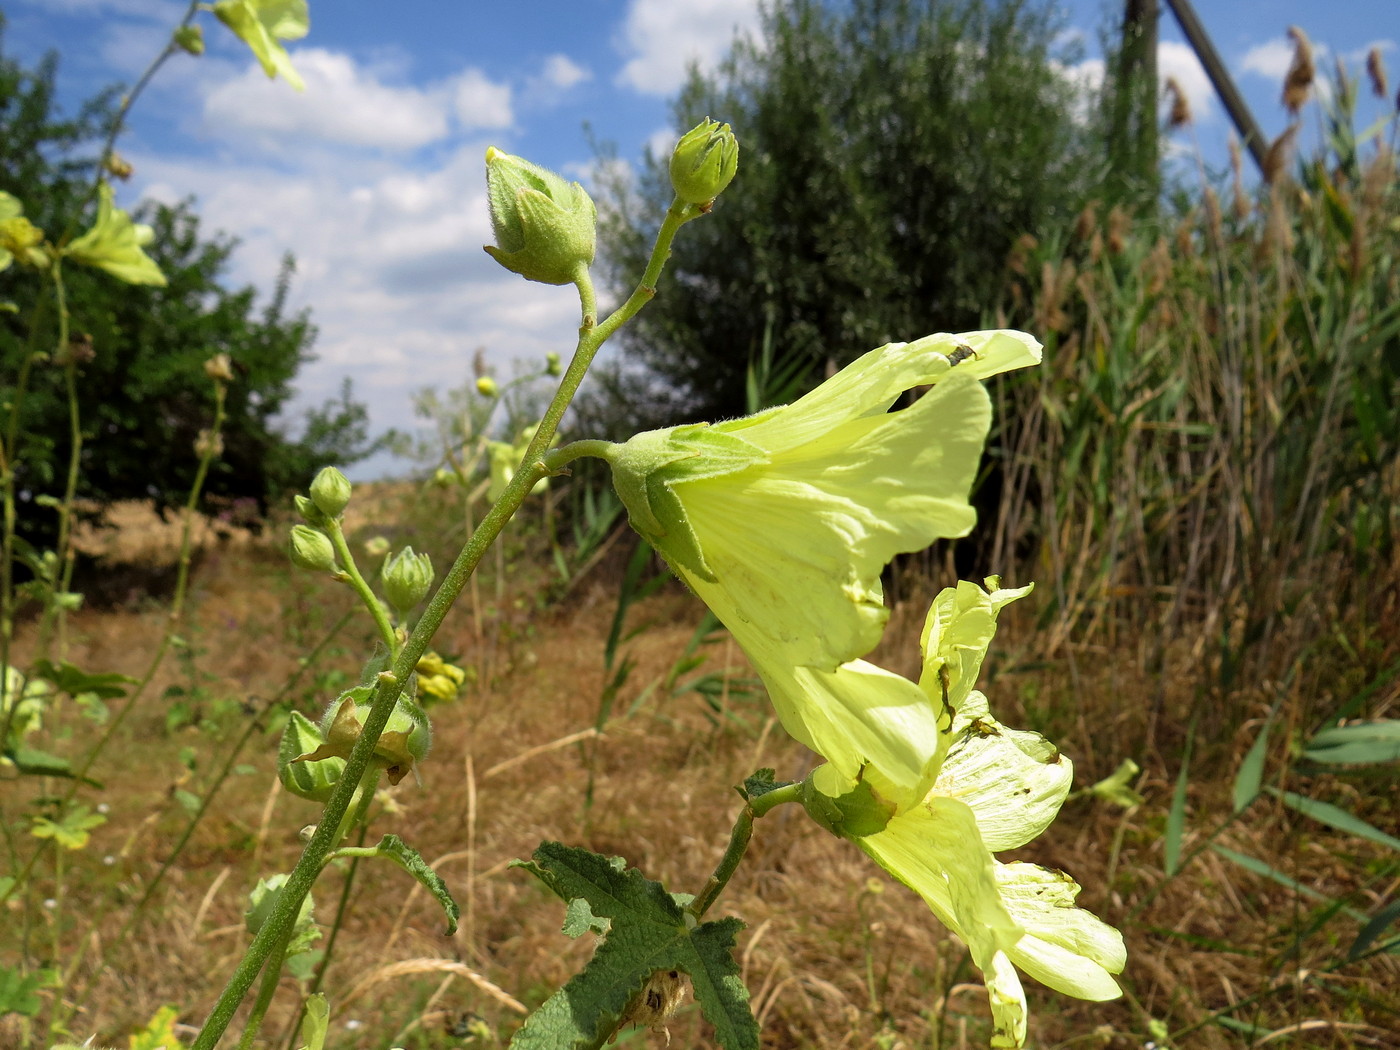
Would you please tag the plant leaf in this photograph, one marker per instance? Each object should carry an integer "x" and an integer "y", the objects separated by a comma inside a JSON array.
[
  {"x": 17, "y": 992},
  {"x": 1176, "y": 815},
  {"x": 1251, "y": 772},
  {"x": 1336, "y": 817},
  {"x": 1373, "y": 929},
  {"x": 316, "y": 1022},
  {"x": 408, "y": 858},
  {"x": 1361, "y": 743},
  {"x": 648, "y": 934},
  {"x": 74, "y": 682}
]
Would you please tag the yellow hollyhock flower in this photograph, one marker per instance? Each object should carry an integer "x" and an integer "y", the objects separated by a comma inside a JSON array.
[
  {"x": 954, "y": 796},
  {"x": 263, "y": 25},
  {"x": 781, "y": 522},
  {"x": 115, "y": 244}
]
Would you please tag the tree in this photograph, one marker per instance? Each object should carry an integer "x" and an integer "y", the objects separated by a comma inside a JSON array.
[
  {"x": 892, "y": 152},
  {"x": 142, "y": 393}
]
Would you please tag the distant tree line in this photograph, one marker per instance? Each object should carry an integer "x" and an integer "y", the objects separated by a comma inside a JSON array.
[{"x": 142, "y": 392}]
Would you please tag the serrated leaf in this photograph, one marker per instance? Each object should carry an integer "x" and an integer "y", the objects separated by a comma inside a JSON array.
[
  {"x": 408, "y": 858},
  {"x": 1251, "y": 772},
  {"x": 1373, "y": 929},
  {"x": 1361, "y": 743},
  {"x": 648, "y": 933},
  {"x": 17, "y": 992},
  {"x": 74, "y": 682},
  {"x": 1336, "y": 817}
]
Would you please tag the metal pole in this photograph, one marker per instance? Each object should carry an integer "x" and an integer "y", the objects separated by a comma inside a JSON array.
[{"x": 1234, "y": 104}]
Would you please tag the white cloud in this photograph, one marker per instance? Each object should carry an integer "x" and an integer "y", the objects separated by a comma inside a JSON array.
[
  {"x": 480, "y": 102},
  {"x": 662, "y": 38},
  {"x": 389, "y": 260},
  {"x": 341, "y": 104},
  {"x": 1179, "y": 61},
  {"x": 346, "y": 104},
  {"x": 1269, "y": 60},
  {"x": 560, "y": 71}
]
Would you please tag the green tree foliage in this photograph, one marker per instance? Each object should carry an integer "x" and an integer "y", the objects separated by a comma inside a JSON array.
[
  {"x": 892, "y": 151},
  {"x": 142, "y": 392}
]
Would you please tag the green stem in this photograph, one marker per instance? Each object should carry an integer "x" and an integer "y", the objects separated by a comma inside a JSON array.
[
  {"x": 739, "y": 843},
  {"x": 63, "y": 573},
  {"x": 357, "y": 582},
  {"x": 391, "y": 683},
  {"x": 267, "y": 991}
]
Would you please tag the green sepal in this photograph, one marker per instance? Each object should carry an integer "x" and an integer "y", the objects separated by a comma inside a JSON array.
[
  {"x": 314, "y": 781},
  {"x": 647, "y": 935},
  {"x": 647, "y": 466},
  {"x": 857, "y": 813},
  {"x": 761, "y": 783}
]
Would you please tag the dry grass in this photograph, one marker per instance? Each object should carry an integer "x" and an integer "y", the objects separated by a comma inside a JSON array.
[{"x": 835, "y": 955}]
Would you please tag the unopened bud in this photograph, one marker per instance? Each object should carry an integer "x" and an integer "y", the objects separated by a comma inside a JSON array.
[
  {"x": 544, "y": 226},
  {"x": 704, "y": 162},
  {"x": 308, "y": 510},
  {"x": 330, "y": 491},
  {"x": 311, "y": 550},
  {"x": 189, "y": 39},
  {"x": 118, "y": 166},
  {"x": 486, "y": 387},
  {"x": 377, "y": 546},
  {"x": 407, "y": 579},
  {"x": 552, "y": 364},
  {"x": 209, "y": 444}
]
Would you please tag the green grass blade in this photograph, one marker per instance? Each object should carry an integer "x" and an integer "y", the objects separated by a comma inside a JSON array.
[{"x": 1336, "y": 817}]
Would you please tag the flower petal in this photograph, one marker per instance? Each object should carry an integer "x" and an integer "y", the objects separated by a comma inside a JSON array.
[
  {"x": 959, "y": 627},
  {"x": 796, "y": 544},
  {"x": 869, "y": 724},
  {"x": 1014, "y": 781},
  {"x": 1065, "y": 947}
]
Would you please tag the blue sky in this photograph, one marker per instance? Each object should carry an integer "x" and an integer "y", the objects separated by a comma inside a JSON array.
[{"x": 373, "y": 177}]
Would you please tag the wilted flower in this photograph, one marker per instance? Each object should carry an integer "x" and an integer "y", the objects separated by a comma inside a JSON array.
[
  {"x": 404, "y": 743},
  {"x": 263, "y": 25},
  {"x": 438, "y": 680},
  {"x": 115, "y": 244},
  {"x": 942, "y": 788}
]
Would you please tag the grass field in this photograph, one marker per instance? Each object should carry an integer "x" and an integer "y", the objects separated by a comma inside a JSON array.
[{"x": 835, "y": 954}]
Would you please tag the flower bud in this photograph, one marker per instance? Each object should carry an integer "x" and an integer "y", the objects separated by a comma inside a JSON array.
[
  {"x": 407, "y": 579},
  {"x": 486, "y": 387},
  {"x": 330, "y": 491},
  {"x": 311, "y": 550},
  {"x": 377, "y": 546},
  {"x": 189, "y": 39},
  {"x": 704, "y": 161},
  {"x": 209, "y": 444},
  {"x": 309, "y": 511},
  {"x": 219, "y": 368},
  {"x": 552, "y": 364},
  {"x": 544, "y": 226}
]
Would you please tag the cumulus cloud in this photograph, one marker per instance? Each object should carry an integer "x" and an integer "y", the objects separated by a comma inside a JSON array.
[
  {"x": 480, "y": 102},
  {"x": 1268, "y": 60},
  {"x": 342, "y": 104},
  {"x": 389, "y": 261},
  {"x": 661, "y": 39},
  {"x": 560, "y": 71}
]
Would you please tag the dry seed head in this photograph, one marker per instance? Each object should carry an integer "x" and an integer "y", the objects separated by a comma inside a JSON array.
[
  {"x": 1242, "y": 204},
  {"x": 1157, "y": 267},
  {"x": 1276, "y": 159},
  {"x": 1088, "y": 222},
  {"x": 1301, "y": 71},
  {"x": 1213, "y": 219},
  {"x": 1119, "y": 225},
  {"x": 1375, "y": 69},
  {"x": 1180, "y": 114}
]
